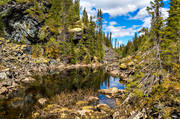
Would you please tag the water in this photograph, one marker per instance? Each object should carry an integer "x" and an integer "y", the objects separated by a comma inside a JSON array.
[
  {"x": 22, "y": 103},
  {"x": 110, "y": 83}
]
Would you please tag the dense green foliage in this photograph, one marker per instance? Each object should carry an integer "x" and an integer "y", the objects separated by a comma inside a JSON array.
[
  {"x": 63, "y": 33},
  {"x": 165, "y": 37},
  {"x": 156, "y": 83},
  {"x": 1, "y": 28}
]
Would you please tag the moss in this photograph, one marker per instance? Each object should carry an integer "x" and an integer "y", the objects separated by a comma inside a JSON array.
[{"x": 1, "y": 28}]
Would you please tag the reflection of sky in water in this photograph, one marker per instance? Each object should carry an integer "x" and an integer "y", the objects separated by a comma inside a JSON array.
[{"x": 112, "y": 82}]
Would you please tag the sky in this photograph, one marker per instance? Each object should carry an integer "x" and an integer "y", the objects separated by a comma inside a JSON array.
[{"x": 123, "y": 17}]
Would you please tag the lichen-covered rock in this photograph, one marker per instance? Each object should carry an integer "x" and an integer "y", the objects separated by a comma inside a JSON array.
[
  {"x": 123, "y": 66},
  {"x": 3, "y": 75},
  {"x": 19, "y": 25},
  {"x": 109, "y": 91},
  {"x": 42, "y": 101},
  {"x": 3, "y": 90},
  {"x": 28, "y": 80},
  {"x": 104, "y": 107}
]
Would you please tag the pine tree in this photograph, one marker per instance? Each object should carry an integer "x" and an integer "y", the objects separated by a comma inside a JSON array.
[
  {"x": 173, "y": 29},
  {"x": 85, "y": 19},
  {"x": 99, "y": 20},
  {"x": 156, "y": 25}
]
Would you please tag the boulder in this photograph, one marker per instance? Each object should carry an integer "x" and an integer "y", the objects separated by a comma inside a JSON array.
[
  {"x": 131, "y": 64},
  {"x": 123, "y": 66},
  {"x": 104, "y": 107},
  {"x": 28, "y": 80},
  {"x": 109, "y": 91},
  {"x": 88, "y": 108},
  {"x": 42, "y": 101},
  {"x": 92, "y": 98},
  {"x": 81, "y": 103},
  {"x": 115, "y": 72},
  {"x": 3, "y": 75},
  {"x": 3, "y": 90}
]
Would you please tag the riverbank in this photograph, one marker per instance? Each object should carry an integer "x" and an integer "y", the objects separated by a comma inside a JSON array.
[{"x": 18, "y": 66}]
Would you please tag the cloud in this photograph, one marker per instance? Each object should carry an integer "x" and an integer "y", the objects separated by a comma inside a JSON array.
[
  {"x": 121, "y": 31},
  {"x": 114, "y": 7},
  {"x": 146, "y": 18}
]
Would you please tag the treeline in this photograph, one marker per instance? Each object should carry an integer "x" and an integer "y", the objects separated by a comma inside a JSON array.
[
  {"x": 164, "y": 36},
  {"x": 64, "y": 33}
]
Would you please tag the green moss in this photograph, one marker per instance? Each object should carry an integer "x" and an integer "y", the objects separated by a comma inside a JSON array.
[{"x": 1, "y": 28}]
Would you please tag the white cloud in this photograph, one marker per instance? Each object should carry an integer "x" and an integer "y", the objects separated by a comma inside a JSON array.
[
  {"x": 114, "y": 7},
  {"x": 118, "y": 8},
  {"x": 121, "y": 31}
]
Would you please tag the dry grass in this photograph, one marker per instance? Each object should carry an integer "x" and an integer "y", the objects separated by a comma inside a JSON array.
[{"x": 69, "y": 99}]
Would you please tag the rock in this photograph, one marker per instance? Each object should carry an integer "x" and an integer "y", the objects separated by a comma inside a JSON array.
[
  {"x": 135, "y": 115},
  {"x": 84, "y": 112},
  {"x": 76, "y": 30},
  {"x": 35, "y": 115},
  {"x": 104, "y": 107},
  {"x": 28, "y": 80},
  {"x": 88, "y": 108},
  {"x": 59, "y": 110},
  {"x": 92, "y": 98},
  {"x": 123, "y": 66},
  {"x": 131, "y": 64},
  {"x": 115, "y": 72},
  {"x": 109, "y": 91},
  {"x": 81, "y": 103},
  {"x": 3, "y": 75},
  {"x": 42, "y": 101},
  {"x": 117, "y": 115},
  {"x": 3, "y": 90},
  {"x": 20, "y": 26}
]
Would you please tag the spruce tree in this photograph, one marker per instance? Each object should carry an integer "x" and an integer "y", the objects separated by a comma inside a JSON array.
[
  {"x": 173, "y": 29},
  {"x": 85, "y": 19},
  {"x": 156, "y": 25}
]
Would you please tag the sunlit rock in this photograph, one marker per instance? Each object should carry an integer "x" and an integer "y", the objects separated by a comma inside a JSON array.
[{"x": 109, "y": 91}]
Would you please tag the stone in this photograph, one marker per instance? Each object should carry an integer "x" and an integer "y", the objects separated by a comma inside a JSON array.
[
  {"x": 76, "y": 30},
  {"x": 81, "y": 103},
  {"x": 3, "y": 90},
  {"x": 28, "y": 80},
  {"x": 42, "y": 101},
  {"x": 3, "y": 75},
  {"x": 104, "y": 107},
  {"x": 123, "y": 66},
  {"x": 136, "y": 115},
  {"x": 131, "y": 64},
  {"x": 109, "y": 91},
  {"x": 115, "y": 72},
  {"x": 84, "y": 112},
  {"x": 92, "y": 98},
  {"x": 88, "y": 108},
  {"x": 35, "y": 115}
]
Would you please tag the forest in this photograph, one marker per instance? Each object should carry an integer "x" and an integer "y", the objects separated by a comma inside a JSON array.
[{"x": 58, "y": 62}]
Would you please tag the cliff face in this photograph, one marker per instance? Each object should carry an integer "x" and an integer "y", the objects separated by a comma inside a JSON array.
[
  {"x": 18, "y": 24},
  {"x": 21, "y": 26}
]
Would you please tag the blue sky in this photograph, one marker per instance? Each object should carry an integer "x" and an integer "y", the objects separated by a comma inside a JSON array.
[{"x": 123, "y": 17}]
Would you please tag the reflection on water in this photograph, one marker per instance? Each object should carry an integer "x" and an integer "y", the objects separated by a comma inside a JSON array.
[
  {"x": 110, "y": 83},
  {"x": 47, "y": 86}
]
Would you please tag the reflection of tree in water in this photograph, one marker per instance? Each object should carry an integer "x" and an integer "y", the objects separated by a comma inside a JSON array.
[
  {"x": 49, "y": 85},
  {"x": 70, "y": 80}
]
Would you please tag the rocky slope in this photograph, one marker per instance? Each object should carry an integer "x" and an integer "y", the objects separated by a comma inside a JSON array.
[{"x": 18, "y": 66}]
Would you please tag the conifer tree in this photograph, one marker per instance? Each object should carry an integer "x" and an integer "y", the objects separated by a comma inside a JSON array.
[
  {"x": 85, "y": 18},
  {"x": 156, "y": 25},
  {"x": 99, "y": 20},
  {"x": 173, "y": 29}
]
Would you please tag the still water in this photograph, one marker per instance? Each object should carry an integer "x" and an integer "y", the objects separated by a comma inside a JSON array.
[{"x": 21, "y": 105}]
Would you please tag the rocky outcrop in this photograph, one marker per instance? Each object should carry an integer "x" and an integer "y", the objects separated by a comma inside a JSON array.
[{"x": 18, "y": 24}]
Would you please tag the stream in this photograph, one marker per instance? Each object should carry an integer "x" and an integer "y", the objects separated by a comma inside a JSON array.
[{"x": 22, "y": 103}]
